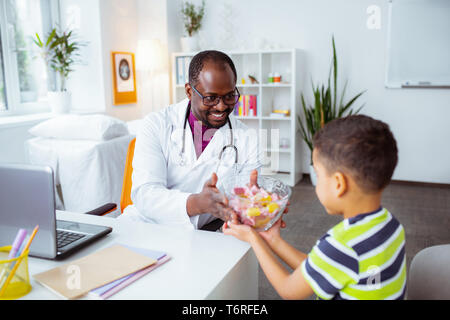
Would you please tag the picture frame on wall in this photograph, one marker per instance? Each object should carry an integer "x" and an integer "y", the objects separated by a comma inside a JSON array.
[{"x": 124, "y": 78}]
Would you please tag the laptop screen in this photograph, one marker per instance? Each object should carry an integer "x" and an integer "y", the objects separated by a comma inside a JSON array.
[{"x": 27, "y": 199}]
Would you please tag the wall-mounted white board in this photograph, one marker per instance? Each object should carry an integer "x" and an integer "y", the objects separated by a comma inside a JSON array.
[{"x": 418, "y": 49}]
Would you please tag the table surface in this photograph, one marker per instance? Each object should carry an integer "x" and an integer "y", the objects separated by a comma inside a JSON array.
[{"x": 200, "y": 260}]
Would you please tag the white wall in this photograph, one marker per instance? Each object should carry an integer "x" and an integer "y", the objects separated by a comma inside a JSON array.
[
  {"x": 116, "y": 25},
  {"x": 123, "y": 24},
  {"x": 106, "y": 26},
  {"x": 86, "y": 83},
  {"x": 154, "y": 82},
  {"x": 417, "y": 117},
  {"x": 119, "y": 28}
]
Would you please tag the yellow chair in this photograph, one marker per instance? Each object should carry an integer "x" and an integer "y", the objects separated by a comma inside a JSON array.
[{"x": 125, "y": 198}]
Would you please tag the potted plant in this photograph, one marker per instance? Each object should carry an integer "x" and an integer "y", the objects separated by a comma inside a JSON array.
[
  {"x": 192, "y": 19},
  {"x": 60, "y": 52},
  {"x": 325, "y": 108}
]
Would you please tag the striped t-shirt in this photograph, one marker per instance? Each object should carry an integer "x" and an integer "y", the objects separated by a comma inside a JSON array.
[{"x": 360, "y": 258}]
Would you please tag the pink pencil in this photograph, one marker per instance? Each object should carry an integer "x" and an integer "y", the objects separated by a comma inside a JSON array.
[
  {"x": 130, "y": 280},
  {"x": 27, "y": 246}
]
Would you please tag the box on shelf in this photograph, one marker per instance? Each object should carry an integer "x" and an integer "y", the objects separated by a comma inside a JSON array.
[
  {"x": 285, "y": 112},
  {"x": 280, "y": 113}
]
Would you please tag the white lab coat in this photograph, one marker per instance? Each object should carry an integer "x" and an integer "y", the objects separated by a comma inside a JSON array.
[{"x": 161, "y": 186}]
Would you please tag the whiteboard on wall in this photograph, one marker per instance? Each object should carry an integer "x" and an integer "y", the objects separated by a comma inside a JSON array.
[{"x": 418, "y": 50}]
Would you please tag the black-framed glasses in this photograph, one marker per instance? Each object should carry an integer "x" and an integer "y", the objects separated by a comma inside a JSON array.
[{"x": 230, "y": 99}]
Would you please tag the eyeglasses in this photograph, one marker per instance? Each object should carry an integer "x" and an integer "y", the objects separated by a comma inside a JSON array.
[{"x": 229, "y": 99}]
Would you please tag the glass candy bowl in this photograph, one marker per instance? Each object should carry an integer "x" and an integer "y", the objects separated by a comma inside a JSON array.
[{"x": 258, "y": 206}]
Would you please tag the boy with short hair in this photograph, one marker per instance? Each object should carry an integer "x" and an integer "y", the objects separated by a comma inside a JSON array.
[{"x": 363, "y": 257}]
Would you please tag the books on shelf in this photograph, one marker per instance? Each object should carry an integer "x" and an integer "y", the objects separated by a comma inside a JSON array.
[
  {"x": 246, "y": 106},
  {"x": 182, "y": 69}
]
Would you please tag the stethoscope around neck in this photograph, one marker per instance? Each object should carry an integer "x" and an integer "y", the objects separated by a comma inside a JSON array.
[{"x": 230, "y": 145}]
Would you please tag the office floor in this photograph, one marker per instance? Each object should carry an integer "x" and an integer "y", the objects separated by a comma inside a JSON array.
[{"x": 424, "y": 212}]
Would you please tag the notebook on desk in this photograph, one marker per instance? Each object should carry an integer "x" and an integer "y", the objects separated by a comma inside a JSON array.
[
  {"x": 106, "y": 291},
  {"x": 77, "y": 278}
]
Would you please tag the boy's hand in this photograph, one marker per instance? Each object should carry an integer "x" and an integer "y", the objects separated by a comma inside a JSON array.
[
  {"x": 240, "y": 231},
  {"x": 273, "y": 233}
]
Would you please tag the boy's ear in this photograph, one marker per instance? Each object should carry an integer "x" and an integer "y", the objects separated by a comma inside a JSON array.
[{"x": 340, "y": 182}]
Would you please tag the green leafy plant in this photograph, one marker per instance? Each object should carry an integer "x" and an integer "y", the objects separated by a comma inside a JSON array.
[
  {"x": 325, "y": 106},
  {"x": 60, "y": 51},
  {"x": 192, "y": 18}
]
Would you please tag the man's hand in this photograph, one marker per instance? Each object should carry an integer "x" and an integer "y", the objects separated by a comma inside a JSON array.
[
  {"x": 209, "y": 200},
  {"x": 254, "y": 178}
]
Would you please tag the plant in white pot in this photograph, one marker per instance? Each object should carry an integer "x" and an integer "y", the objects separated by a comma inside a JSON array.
[
  {"x": 192, "y": 19},
  {"x": 324, "y": 108},
  {"x": 60, "y": 52}
]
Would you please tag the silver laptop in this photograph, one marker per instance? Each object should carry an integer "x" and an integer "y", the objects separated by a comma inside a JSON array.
[{"x": 27, "y": 199}]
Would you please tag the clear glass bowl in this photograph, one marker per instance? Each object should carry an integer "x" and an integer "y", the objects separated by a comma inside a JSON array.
[{"x": 266, "y": 213}]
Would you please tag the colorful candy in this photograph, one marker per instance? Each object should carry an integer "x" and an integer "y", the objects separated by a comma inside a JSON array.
[
  {"x": 253, "y": 212},
  {"x": 255, "y": 206}
]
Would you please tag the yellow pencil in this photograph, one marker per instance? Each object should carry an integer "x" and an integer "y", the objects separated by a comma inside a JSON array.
[{"x": 11, "y": 274}]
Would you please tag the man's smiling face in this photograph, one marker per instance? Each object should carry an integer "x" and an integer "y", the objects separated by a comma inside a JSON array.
[{"x": 215, "y": 79}]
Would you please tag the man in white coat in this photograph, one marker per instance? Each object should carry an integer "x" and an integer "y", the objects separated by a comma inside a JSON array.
[{"x": 174, "y": 180}]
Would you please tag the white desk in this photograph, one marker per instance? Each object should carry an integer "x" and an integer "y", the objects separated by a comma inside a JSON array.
[{"x": 204, "y": 265}]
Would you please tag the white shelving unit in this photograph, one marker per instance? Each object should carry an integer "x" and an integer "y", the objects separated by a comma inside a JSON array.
[{"x": 270, "y": 96}]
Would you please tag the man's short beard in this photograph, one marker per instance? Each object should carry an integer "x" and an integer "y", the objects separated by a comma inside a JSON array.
[{"x": 209, "y": 125}]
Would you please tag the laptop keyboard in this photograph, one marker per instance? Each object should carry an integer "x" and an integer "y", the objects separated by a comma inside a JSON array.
[{"x": 65, "y": 238}]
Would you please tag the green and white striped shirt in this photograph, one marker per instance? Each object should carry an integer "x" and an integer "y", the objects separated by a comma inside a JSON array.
[{"x": 360, "y": 258}]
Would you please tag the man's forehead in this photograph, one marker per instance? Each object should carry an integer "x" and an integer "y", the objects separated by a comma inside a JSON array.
[
  {"x": 206, "y": 77},
  {"x": 215, "y": 78}
]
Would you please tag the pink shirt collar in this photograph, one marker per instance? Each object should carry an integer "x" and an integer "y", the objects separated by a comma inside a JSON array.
[{"x": 201, "y": 134}]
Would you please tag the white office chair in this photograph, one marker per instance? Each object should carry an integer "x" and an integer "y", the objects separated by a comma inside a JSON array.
[{"x": 429, "y": 274}]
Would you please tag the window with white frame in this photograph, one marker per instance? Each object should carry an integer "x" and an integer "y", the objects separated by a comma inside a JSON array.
[
  {"x": 24, "y": 76},
  {"x": 2, "y": 83}
]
